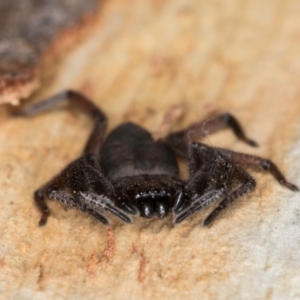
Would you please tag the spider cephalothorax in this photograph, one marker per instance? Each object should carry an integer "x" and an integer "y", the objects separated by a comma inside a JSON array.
[
  {"x": 152, "y": 195},
  {"x": 131, "y": 173}
]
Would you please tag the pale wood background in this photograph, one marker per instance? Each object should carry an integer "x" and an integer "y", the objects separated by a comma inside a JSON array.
[{"x": 142, "y": 58}]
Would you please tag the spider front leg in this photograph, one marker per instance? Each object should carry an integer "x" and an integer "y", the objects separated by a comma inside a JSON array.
[
  {"x": 64, "y": 188},
  {"x": 212, "y": 178},
  {"x": 67, "y": 200},
  {"x": 82, "y": 186},
  {"x": 247, "y": 185}
]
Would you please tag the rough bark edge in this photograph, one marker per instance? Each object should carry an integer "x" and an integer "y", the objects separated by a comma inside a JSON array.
[{"x": 13, "y": 90}]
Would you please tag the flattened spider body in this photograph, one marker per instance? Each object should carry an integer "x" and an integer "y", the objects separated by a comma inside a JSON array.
[{"x": 131, "y": 173}]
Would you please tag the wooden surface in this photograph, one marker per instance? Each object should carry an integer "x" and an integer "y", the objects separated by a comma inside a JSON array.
[{"x": 142, "y": 58}]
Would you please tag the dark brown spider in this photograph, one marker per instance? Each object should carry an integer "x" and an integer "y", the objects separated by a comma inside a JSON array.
[{"x": 131, "y": 173}]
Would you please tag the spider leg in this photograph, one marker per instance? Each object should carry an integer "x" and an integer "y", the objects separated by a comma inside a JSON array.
[
  {"x": 127, "y": 207},
  {"x": 69, "y": 201},
  {"x": 247, "y": 186},
  {"x": 63, "y": 197},
  {"x": 84, "y": 104},
  {"x": 91, "y": 187},
  {"x": 96, "y": 202},
  {"x": 40, "y": 201},
  {"x": 84, "y": 174},
  {"x": 179, "y": 140},
  {"x": 81, "y": 177},
  {"x": 212, "y": 178},
  {"x": 55, "y": 187},
  {"x": 197, "y": 203},
  {"x": 260, "y": 164}
]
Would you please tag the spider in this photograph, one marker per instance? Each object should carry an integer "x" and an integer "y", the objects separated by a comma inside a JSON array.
[{"x": 130, "y": 173}]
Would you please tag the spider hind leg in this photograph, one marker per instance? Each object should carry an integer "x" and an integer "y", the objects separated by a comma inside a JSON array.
[{"x": 179, "y": 140}]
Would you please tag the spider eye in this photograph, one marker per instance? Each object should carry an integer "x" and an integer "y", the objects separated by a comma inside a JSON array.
[
  {"x": 162, "y": 207},
  {"x": 153, "y": 204},
  {"x": 146, "y": 207}
]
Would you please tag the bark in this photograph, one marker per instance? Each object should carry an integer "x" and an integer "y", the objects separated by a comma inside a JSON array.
[{"x": 31, "y": 33}]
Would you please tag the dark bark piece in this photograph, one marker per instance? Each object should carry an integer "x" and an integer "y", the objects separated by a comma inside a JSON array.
[{"x": 28, "y": 30}]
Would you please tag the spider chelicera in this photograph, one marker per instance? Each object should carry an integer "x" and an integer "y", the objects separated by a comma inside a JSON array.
[{"x": 130, "y": 173}]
